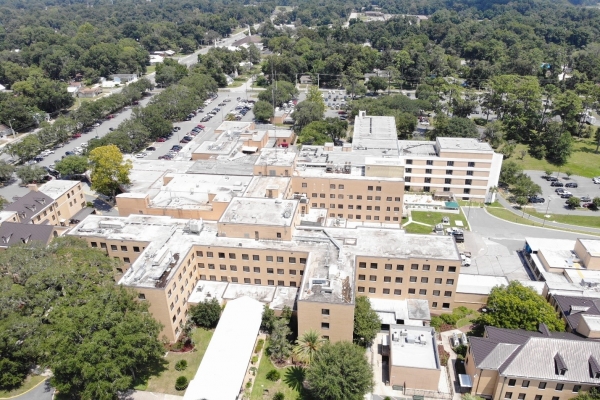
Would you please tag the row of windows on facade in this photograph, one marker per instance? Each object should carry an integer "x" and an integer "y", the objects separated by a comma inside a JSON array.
[
  {"x": 446, "y": 189},
  {"x": 542, "y": 385},
  {"x": 447, "y": 181},
  {"x": 255, "y": 257},
  {"x": 471, "y": 164},
  {"x": 114, "y": 247},
  {"x": 358, "y": 197},
  {"x": 430, "y": 171},
  {"x": 341, "y": 187},
  {"x": 358, "y": 207},
  {"x": 413, "y": 267},
  {"x": 359, "y": 216},
  {"x": 398, "y": 292},
  {"x": 235, "y": 279},
  {"x": 246, "y": 268},
  {"x": 412, "y": 279}
]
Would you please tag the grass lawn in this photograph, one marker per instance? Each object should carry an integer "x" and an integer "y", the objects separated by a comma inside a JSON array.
[
  {"x": 30, "y": 382},
  {"x": 505, "y": 214},
  {"x": 418, "y": 228},
  {"x": 164, "y": 382},
  {"x": 433, "y": 218},
  {"x": 150, "y": 69},
  {"x": 583, "y": 162},
  {"x": 288, "y": 384},
  {"x": 468, "y": 320},
  {"x": 593, "y": 220}
]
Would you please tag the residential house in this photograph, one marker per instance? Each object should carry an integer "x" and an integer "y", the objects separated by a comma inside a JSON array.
[
  {"x": 90, "y": 93},
  {"x": 123, "y": 79}
]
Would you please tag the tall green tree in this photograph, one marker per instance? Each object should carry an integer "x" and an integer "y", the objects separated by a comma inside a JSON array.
[
  {"x": 339, "y": 371},
  {"x": 72, "y": 165},
  {"x": 366, "y": 322},
  {"x": 109, "y": 170},
  {"x": 280, "y": 347},
  {"x": 31, "y": 173},
  {"x": 518, "y": 307},
  {"x": 206, "y": 314},
  {"x": 305, "y": 113},
  {"x": 6, "y": 171},
  {"x": 308, "y": 345},
  {"x": 263, "y": 110}
]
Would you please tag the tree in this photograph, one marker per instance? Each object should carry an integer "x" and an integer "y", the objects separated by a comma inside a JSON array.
[
  {"x": 305, "y": 113},
  {"x": 366, "y": 322},
  {"x": 279, "y": 345},
  {"x": 454, "y": 127},
  {"x": 560, "y": 150},
  {"x": 525, "y": 187},
  {"x": 72, "y": 165},
  {"x": 574, "y": 202},
  {"x": 282, "y": 92},
  {"x": 518, "y": 307},
  {"x": 268, "y": 319},
  {"x": 339, "y": 371},
  {"x": 307, "y": 346},
  {"x": 206, "y": 314},
  {"x": 315, "y": 96},
  {"x": 593, "y": 394},
  {"x": 25, "y": 149},
  {"x": 6, "y": 171},
  {"x": 596, "y": 203},
  {"x": 31, "y": 173},
  {"x": 521, "y": 201},
  {"x": 509, "y": 172},
  {"x": 263, "y": 110},
  {"x": 377, "y": 83},
  {"x": 109, "y": 171}
]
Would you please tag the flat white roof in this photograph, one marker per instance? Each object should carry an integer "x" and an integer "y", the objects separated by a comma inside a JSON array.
[
  {"x": 413, "y": 347},
  {"x": 223, "y": 368},
  {"x": 593, "y": 321},
  {"x": 260, "y": 211},
  {"x": 56, "y": 187},
  {"x": 462, "y": 144},
  {"x": 591, "y": 246},
  {"x": 478, "y": 284}
]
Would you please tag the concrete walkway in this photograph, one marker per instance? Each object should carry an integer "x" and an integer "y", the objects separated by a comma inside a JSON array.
[
  {"x": 140, "y": 395},
  {"x": 548, "y": 223}
]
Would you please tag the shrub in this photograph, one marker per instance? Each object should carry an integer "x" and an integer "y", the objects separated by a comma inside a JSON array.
[
  {"x": 253, "y": 371},
  {"x": 249, "y": 384},
  {"x": 273, "y": 375},
  {"x": 181, "y": 365},
  {"x": 181, "y": 383},
  {"x": 278, "y": 396},
  {"x": 254, "y": 359},
  {"x": 461, "y": 350},
  {"x": 444, "y": 355},
  {"x": 259, "y": 346}
]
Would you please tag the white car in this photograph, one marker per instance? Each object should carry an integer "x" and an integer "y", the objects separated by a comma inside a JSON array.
[
  {"x": 47, "y": 152},
  {"x": 84, "y": 144},
  {"x": 596, "y": 179},
  {"x": 466, "y": 261},
  {"x": 141, "y": 155}
]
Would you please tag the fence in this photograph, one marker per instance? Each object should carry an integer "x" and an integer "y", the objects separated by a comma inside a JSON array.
[{"x": 431, "y": 394}]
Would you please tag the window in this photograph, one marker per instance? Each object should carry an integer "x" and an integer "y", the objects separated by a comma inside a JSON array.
[
  {"x": 362, "y": 265},
  {"x": 211, "y": 266},
  {"x": 386, "y": 291},
  {"x": 209, "y": 254},
  {"x": 508, "y": 395},
  {"x": 373, "y": 278},
  {"x": 370, "y": 188},
  {"x": 468, "y": 181},
  {"x": 302, "y": 260},
  {"x": 448, "y": 181},
  {"x": 245, "y": 257},
  {"x": 257, "y": 281},
  {"x": 411, "y": 291},
  {"x": 292, "y": 260},
  {"x": 233, "y": 267},
  {"x": 399, "y": 267},
  {"x": 141, "y": 296},
  {"x": 450, "y": 163},
  {"x": 398, "y": 279},
  {"x": 427, "y": 180},
  {"x": 113, "y": 247},
  {"x": 136, "y": 249},
  {"x": 371, "y": 290},
  {"x": 361, "y": 289},
  {"x": 269, "y": 270},
  {"x": 378, "y": 188},
  {"x": 424, "y": 280},
  {"x": 438, "y": 281},
  {"x": 469, "y": 173},
  {"x": 271, "y": 282},
  {"x": 324, "y": 325},
  {"x": 359, "y": 197},
  {"x": 279, "y": 259},
  {"x": 466, "y": 191},
  {"x": 279, "y": 271},
  {"x": 471, "y": 164},
  {"x": 447, "y": 293},
  {"x": 388, "y": 266},
  {"x": 221, "y": 255},
  {"x": 521, "y": 396},
  {"x": 440, "y": 268},
  {"x": 446, "y": 306},
  {"x": 292, "y": 272},
  {"x": 423, "y": 291},
  {"x": 525, "y": 384},
  {"x": 324, "y": 311},
  {"x": 256, "y": 269},
  {"x": 451, "y": 269},
  {"x": 293, "y": 284},
  {"x": 429, "y": 162},
  {"x": 448, "y": 172},
  {"x": 269, "y": 258},
  {"x": 555, "y": 397},
  {"x": 576, "y": 388},
  {"x": 512, "y": 382},
  {"x": 245, "y": 268},
  {"x": 538, "y": 397},
  {"x": 373, "y": 265},
  {"x": 246, "y": 280},
  {"x": 94, "y": 244},
  {"x": 428, "y": 171},
  {"x": 199, "y": 254},
  {"x": 414, "y": 266},
  {"x": 449, "y": 281},
  {"x": 223, "y": 279},
  {"x": 559, "y": 386},
  {"x": 436, "y": 292},
  {"x": 341, "y": 187},
  {"x": 255, "y": 258},
  {"x": 397, "y": 292},
  {"x": 446, "y": 189},
  {"x": 361, "y": 277},
  {"x": 126, "y": 259},
  {"x": 222, "y": 267},
  {"x": 369, "y": 198},
  {"x": 409, "y": 162},
  {"x": 413, "y": 279},
  {"x": 387, "y": 279},
  {"x": 304, "y": 184}
]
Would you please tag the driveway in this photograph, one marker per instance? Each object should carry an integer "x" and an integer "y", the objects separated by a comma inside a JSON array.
[
  {"x": 554, "y": 203},
  {"x": 43, "y": 391}
]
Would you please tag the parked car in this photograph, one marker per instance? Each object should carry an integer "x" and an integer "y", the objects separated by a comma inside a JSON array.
[
  {"x": 596, "y": 179},
  {"x": 200, "y": 126},
  {"x": 557, "y": 184},
  {"x": 571, "y": 185},
  {"x": 151, "y": 148},
  {"x": 585, "y": 199},
  {"x": 69, "y": 153},
  {"x": 141, "y": 155},
  {"x": 161, "y": 139},
  {"x": 536, "y": 199},
  {"x": 566, "y": 194},
  {"x": 76, "y": 135},
  {"x": 559, "y": 191},
  {"x": 552, "y": 179}
]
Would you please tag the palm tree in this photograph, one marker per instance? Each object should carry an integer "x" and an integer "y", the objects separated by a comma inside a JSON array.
[{"x": 308, "y": 345}]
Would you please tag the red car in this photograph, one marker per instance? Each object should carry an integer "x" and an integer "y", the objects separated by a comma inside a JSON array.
[
  {"x": 110, "y": 116},
  {"x": 200, "y": 126},
  {"x": 161, "y": 139},
  {"x": 76, "y": 135}
]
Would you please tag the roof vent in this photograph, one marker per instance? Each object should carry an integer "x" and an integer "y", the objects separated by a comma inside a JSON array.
[
  {"x": 577, "y": 309},
  {"x": 560, "y": 365},
  {"x": 594, "y": 368}
]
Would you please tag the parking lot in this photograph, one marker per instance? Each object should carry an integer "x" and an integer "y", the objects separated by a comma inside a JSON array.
[{"x": 554, "y": 203}]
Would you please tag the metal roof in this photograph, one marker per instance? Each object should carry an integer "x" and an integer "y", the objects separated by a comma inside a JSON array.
[
  {"x": 572, "y": 306},
  {"x": 12, "y": 233},
  {"x": 30, "y": 205},
  {"x": 498, "y": 356}
]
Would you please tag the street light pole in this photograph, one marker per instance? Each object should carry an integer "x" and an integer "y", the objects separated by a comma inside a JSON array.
[{"x": 547, "y": 207}]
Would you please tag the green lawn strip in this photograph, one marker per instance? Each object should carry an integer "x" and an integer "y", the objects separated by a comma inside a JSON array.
[
  {"x": 593, "y": 220},
  {"x": 164, "y": 382},
  {"x": 30, "y": 382},
  {"x": 506, "y": 215},
  {"x": 433, "y": 218},
  {"x": 150, "y": 69},
  {"x": 418, "y": 228},
  {"x": 468, "y": 320},
  {"x": 261, "y": 383},
  {"x": 583, "y": 162}
]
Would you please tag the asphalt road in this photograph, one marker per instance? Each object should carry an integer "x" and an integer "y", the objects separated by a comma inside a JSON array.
[
  {"x": 193, "y": 58},
  {"x": 492, "y": 228},
  {"x": 42, "y": 391}
]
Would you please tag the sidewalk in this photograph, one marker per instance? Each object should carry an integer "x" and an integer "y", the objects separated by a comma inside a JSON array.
[{"x": 548, "y": 223}]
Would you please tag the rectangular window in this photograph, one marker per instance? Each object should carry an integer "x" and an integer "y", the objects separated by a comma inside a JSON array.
[
  {"x": 126, "y": 259},
  {"x": 362, "y": 265},
  {"x": 373, "y": 278},
  {"x": 232, "y": 256},
  {"x": 279, "y": 271},
  {"x": 223, "y": 267},
  {"x": 94, "y": 244},
  {"x": 292, "y": 272},
  {"x": 413, "y": 279},
  {"x": 324, "y": 325},
  {"x": 257, "y": 281},
  {"x": 113, "y": 247},
  {"x": 424, "y": 279},
  {"x": 448, "y": 181},
  {"x": 279, "y": 259},
  {"x": 448, "y": 172},
  {"x": 292, "y": 260},
  {"x": 246, "y": 280},
  {"x": 211, "y": 266},
  {"x": 386, "y": 291},
  {"x": 271, "y": 282},
  {"x": 525, "y": 384},
  {"x": 427, "y": 180},
  {"x": 469, "y": 173},
  {"x": 256, "y": 269},
  {"x": 269, "y": 270},
  {"x": 449, "y": 163},
  {"x": 221, "y": 255},
  {"x": 245, "y": 257},
  {"x": 508, "y": 395},
  {"x": 209, "y": 254},
  {"x": 371, "y": 290},
  {"x": 414, "y": 266},
  {"x": 361, "y": 289},
  {"x": 361, "y": 277},
  {"x": 399, "y": 267},
  {"x": 538, "y": 397},
  {"x": 411, "y": 291},
  {"x": 576, "y": 388},
  {"x": 269, "y": 258},
  {"x": 422, "y": 291},
  {"x": 136, "y": 249},
  {"x": 449, "y": 281},
  {"x": 559, "y": 386},
  {"x": 370, "y": 188},
  {"x": 468, "y": 181},
  {"x": 555, "y": 397},
  {"x": 521, "y": 396},
  {"x": 255, "y": 257},
  {"x": 398, "y": 279},
  {"x": 246, "y": 268},
  {"x": 471, "y": 164},
  {"x": 199, "y": 253},
  {"x": 378, "y": 188},
  {"x": 436, "y": 292},
  {"x": 438, "y": 281},
  {"x": 409, "y": 162},
  {"x": 387, "y": 279},
  {"x": 373, "y": 265},
  {"x": 447, "y": 293},
  {"x": 429, "y": 162},
  {"x": 451, "y": 269},
  {"x": 428, "y": 171},
  {"x": 446, "y": 306},
  {"x": 512, "y": 382},
  {"x": 397, "y": 292},
  {"x": 324, "y": 311},
  {"x": 233, "y": 267}
]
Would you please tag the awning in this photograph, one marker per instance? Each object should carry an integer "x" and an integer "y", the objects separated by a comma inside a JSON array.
[
  {"x": 249, "y": 149},
  {"x": 452, "y": 205},
  {"x": 387, "y": 318},
  {"x": 465, "y": 381}
]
